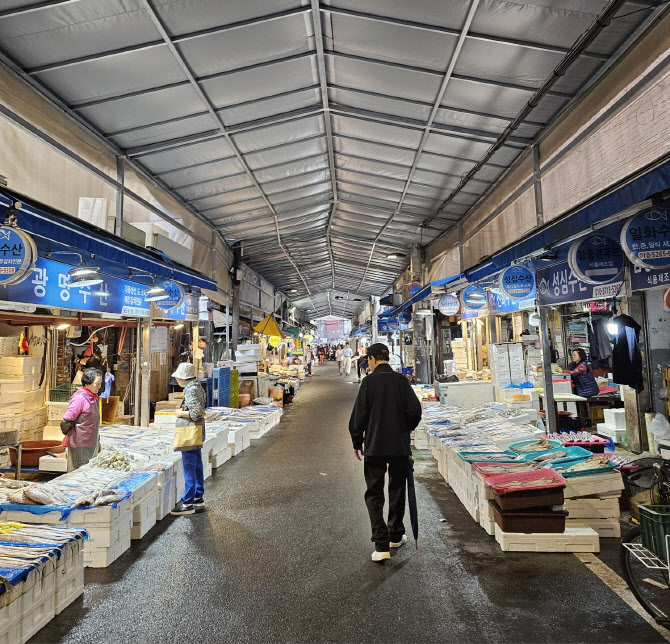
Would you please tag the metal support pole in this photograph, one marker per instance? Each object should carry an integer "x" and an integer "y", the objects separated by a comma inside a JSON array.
[
  {"x": 195, "y": 335},
  {"x": 551, "y": 421},
  {"x": 228, "y": 353},
  {"x": 537, "y": 186},
  {"x": 138, "y": 378},
  {"x": 145, "y": 370},
  {"x": 120, "y": 194}
]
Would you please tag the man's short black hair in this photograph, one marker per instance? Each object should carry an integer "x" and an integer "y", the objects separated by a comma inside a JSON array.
[{"x": 378, "y": 351}]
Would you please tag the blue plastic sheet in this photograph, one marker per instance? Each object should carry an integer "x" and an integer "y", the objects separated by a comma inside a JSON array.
[{"x": 64, "y": 510}]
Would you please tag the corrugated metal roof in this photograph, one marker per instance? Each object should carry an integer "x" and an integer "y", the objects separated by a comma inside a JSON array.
[{"x": 320, "y": 135}]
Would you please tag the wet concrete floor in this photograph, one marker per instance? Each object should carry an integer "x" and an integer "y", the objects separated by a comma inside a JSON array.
[{"x": 282, "y": 554}]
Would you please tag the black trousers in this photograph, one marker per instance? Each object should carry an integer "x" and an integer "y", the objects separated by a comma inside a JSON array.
[{"x": 375, "y": 468}]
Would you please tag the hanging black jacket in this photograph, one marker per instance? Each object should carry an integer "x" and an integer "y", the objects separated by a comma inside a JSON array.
[
  {"x": 385, "y": 413},
  {"x": 626, "y": 356}
]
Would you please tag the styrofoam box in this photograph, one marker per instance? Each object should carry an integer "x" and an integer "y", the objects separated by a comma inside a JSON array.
[
  {"x": 10, "y": 627},
  {"x": 51, "y": 464},
  {"x": 71, "y": 588},
  {"x": 617, "y": 435},
  {"x": 595, "y": 484},
  {"x": 56, "y": 410},
  {"x": 593, "y": 508},
  {"x": 146, "y": 506},
  {"x": 39, "y": 616},
  {"x": 11, "y": 386},
  {"x": 107, "y": 535},
  {"x": 19, "y": 365},
  {"x": 218, "y": 459},
  {"x": 606, "y": 528},
  {"x": 574, "y": 539},
  {"x": 615, "y": 418},
  {"x": 104, "y": 557},
  {"x": 206, "y": 469},
  {"x": 140, "y": 528}
]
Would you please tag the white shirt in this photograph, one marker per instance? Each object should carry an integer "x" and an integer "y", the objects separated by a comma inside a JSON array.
[
  {"x": 338, "y": 355},
  {"x": 348, "y": 352}
]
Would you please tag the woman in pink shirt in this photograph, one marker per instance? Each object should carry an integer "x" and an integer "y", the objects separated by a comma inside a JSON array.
[{"x": 81, "y": 423}]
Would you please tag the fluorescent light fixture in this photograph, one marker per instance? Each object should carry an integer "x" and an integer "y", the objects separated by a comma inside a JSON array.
[
  {"x": 156, "y": 293},
  {"x": 62, "y": 327},
  {"x": 176, "y": 327},
  {"x": 612, "y": 327},
  {"x": 84, "y": 276},
  {"x": 293, "y": 290},
  {"x": 301, "y": 334},
  {"x": 423, "y": 312},
  {"x": 395, "y": 255}
]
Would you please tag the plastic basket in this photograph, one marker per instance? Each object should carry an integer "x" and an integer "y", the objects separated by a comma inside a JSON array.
[
  {"x": 62, "y": 393},
  {"x": 519, "y": 447},
  {"x": 591, "y": 472},
  {"x": 532, "y": 520},
  {"x": 574, "y": 454},
  {"x": 483, "y": 469},
  {"x": 654, "y": 526},
  {"x": 638, "y": 482},
  {"x": 481, "y": 457}
]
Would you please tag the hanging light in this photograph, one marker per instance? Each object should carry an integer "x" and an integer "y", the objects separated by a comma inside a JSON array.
[
  {"x": 156, "y": 293},
  {"x": 612, "y": 326},
  {"x": 176, "y": 327},
  {"x": 423, "y": 312},
  {"x": 62, "y": 327},
  {"x": 84, "y": 276},
  {"x": 395, "y": 255}
]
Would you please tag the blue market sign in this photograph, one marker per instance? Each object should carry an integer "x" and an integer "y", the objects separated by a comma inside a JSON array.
[
  {"x": 473, "y": 297},
  {"x": 646, "y": 238},
  {"x": 596, "y": 259},
  {"x": 17, "y": 255},
  {"x": 47, "y": 285},
  {"x": 517, "y": 282},
  {"x": 558, "y": 284},
  {"x": 414, "y": 288},
  {"x": 449, "y": 305},
  {"x": 389, "y": 325},
  {"x": 645, "y": 278},
  {"x": 176, "y": 295},
  {"x": 500, "y": 303},
  {"x": 188, "y": 311}
]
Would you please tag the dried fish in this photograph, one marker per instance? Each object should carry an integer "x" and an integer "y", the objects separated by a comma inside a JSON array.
[
  {"x": 550, "y": 456},
  {"x": 508, "y": 468},
  {"x": 537, "y": 446},
  {"x": 534, "y": 483},
  {"x": 108, "y": 499},
  {"x": 595, "y": 462}
]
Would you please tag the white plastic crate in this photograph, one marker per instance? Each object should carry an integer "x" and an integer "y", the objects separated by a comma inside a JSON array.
[
  {"x": 574, "y": 539},
  {"x": 167, "y": 498},
  {"x": 595, "y": 484},
  {"x": 146, "y": 506},
  {"x": 71, "y": 589},
  {"x": 615, "y": 418},
  {"x": 617, "y": 435},
  {"x": 586, "y": 508},
  {"x": 107, "y": 535}
]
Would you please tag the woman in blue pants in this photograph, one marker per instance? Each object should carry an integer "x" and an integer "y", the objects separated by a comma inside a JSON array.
[{"x": 193, "y": 408}]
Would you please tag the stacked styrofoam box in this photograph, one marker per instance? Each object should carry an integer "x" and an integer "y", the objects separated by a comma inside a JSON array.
[
  {"x": 221, "y": 457},
  {"x": 144, "y": 513},
  {"x": 594, "y": 501},
  {"x": 166, "y": 420},
  {"x": 614, "y": 425},
  {"x": 236, "y": 439},
  {"x": 574, "y": 539},
  {"x": 247, "y": 357},
  {"x": 506, "y": 362},
  {"x": 21, "y": 399},
  {"x": 10, "y": 614},
  {"x": 38, "y": 601},
  {"x": 69, "y": 575}
]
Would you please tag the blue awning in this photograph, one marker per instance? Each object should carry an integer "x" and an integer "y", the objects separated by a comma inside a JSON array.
[
  {"x": 652, "y": 182},
  {"x": 432, "y": 289},
  {"x": 80, "y": 236}
]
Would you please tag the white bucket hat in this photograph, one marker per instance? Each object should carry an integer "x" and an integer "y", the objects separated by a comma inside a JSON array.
[{"x": 185, "y": 371}]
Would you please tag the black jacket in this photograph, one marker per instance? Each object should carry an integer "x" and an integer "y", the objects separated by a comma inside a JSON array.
[
  {"x": 385, "y": 413},
  {"x": 626, "y": 356}
]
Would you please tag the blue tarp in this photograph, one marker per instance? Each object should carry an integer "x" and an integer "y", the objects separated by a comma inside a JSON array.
[{"x": 80, "y": 236}]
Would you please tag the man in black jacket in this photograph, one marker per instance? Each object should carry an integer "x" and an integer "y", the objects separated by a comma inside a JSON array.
[{"x": 385, "y": 413}]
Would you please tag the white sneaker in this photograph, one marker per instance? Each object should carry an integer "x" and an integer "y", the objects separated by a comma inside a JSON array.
[
  {"x": 397, "y": 544},
  {"x": 380, "y": 556}
]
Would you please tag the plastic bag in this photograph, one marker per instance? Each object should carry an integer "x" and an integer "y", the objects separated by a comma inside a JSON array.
[{"x": 660, "y": 428}]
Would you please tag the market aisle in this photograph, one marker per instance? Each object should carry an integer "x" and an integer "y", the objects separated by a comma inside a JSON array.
[{"x": 282, "y": 555}]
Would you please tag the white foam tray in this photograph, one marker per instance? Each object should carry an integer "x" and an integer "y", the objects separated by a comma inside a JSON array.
[
  {"x": 574, "y": 539},
  {"x": 606, "y": 528},
  {"x": 580, "y": 486},
  {"x": 593, "y": 508}
]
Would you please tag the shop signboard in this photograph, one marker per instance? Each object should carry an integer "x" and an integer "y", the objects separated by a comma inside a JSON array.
[
  {"x": 517, "y": 282},
  {"x": 449, "y": 305},
  {"x": 176, "y": 295},
  {"x": 644, "y": 278},
  {"x": 646, "y": 238},
  {"x": 17, "y": 255},
  {"x": 596, "y": 259},
  {"x": 389, "y": 325},
  {"x": 558, "y": 284},
  {"x": 414, "y": 288},
  {"x": 469, "y": 314},
  {"x": 473, "y": 297},
  {"x": 187, "y": 312},
  {"x": 47, "y": 286},
  {"x": 499, "y": 303}
]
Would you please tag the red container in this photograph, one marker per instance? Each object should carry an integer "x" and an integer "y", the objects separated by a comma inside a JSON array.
[
  {"x": 596, "y": 444},
  {"x": 33, "y": 450},
  {"x": 542, "y": 488}
]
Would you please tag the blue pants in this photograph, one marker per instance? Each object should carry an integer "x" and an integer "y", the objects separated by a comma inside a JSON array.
[{"x": 195, "y": 483}]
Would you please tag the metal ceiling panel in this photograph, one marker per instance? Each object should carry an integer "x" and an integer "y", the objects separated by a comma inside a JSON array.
[
  {"x": 225, "y": 169},
  {"x": 380, "y": 132},
  {"x": 298, "y": 150},
  {"x": 229, "y": 185},
  {"x": 219, "y": 52},
  {"x": 187, "y": 16},
  {"x": 292, "y": 168},
  {"x": 265, "y": 109},
  {"x": 282, "y": 133},
  {"x": 162, "y": 131},
  {"x": 178, "y": 157},
  {"x": 73, "y": 30},
  {"x": 245, "y": 195},
  {"x": 255, "y": 83}
]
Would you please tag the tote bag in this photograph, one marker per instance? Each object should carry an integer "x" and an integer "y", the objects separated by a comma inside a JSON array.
[{"x": 187, "y": 435}]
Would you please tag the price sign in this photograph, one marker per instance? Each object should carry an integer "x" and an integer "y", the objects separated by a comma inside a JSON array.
[
  {"x": 646, "y": 238},
  {"x": 596, "y": 259},
  {"x": 517, "y": 282}
]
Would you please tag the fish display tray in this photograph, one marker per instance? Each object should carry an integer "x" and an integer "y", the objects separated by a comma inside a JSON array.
[
  {"x": 591, "y": 472},
  {"x": 518, "y": 448},
  {"x": 574, "y": 539},
  {"x": 476, "y": 457},
  {"x": 574, "y": 454},
  {"x": 596, "y": 445},
  {"x": 543, "y": 520},
  {"x": 533, "y": 496},
  {"x": 481, "y": 468}
]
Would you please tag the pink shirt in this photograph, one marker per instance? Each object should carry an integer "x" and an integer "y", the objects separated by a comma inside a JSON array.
[{"x": 83, "y": 408}]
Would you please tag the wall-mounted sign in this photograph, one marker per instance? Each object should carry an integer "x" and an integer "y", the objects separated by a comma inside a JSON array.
[
  {"x": 646, "y": 238},
  {"x": 517, "y": 282},
  {"x": 644, "y": 278},
  {"x": 473, "y": 297},
  {"x": 414, "y": 288},
  {"x": 187, "y": 312},
  {"x": 47, "y": 286},
  {"x": 449, "y": 305},
  {"x": 17, "y": 255},
  {"x": 275, "y": 340},
  {"x": 596, "y": 259},
  {"x": 499, "y": 303},
  {"x": 176, "y": 295},
  {"x": 557, "y": 284}
]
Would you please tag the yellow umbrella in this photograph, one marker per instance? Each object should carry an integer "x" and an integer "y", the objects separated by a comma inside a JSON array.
[{"x": 268, "y": 326}]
